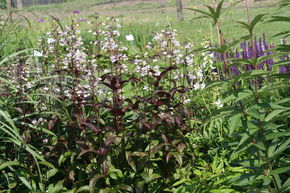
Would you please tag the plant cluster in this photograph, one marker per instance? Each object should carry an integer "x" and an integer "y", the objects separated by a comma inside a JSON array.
[{"x": 84, "y": 113}]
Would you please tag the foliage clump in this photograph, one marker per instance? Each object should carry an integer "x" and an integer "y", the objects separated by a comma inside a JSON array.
[{"x": 86, "y": 113}]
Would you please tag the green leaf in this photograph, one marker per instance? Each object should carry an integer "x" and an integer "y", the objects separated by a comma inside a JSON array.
[
  {"x": 256, "y": 19},
  {"x": 50, "y": 173},
  {"x": 272, "y": 136},
  {"x": 282, "y": 148},
  {"x": 9, "y": 57},
  {"x": 260, "y": 145},
  {"x": 286, "y": 186},
  {"x": 249, "y": 75},
  {"x": 219, "y": 8},
  {"x": 63, "y": 157},
  {"x": 266, "y": 180},
  {"x": 9, "y": 163},
  {"x": 244, "y": 25},
  {"x": 25, "y": 182},
  {"x": 235, "y": 123},
  {"x": 280, "y": 170},
  {"x": 279, "y": 19},
  {"x": 223, "y": 191},
  {"x": 244, "y": 94},
  {"x": 273, "y": 114},
  {"x": 246, "y": 179},
  {"x": 200, "y": 11},
  {"x": 253, "y": 112},
  {"x": 272, "y": 148},
  {"x": 179, "y": 182},
  {"x": 250, "y": 163}
]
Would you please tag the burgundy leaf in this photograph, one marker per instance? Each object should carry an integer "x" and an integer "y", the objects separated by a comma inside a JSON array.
[
  {"x": 118, "y": 112},
  {"x": 164, "y": 138},
  {"x": 92, "y": 127},
  {"x": 162, "y": 93},
  {"x": 178, "y": 121},
  {"x": 85, "y": 151},
  {"x": 157, "y": 148},
  {"x": 51, "y": 124},
  {"x": 103, "y": 150},
  {"x": 145, "y": 126},
  {"x": 166, "y": 70}
]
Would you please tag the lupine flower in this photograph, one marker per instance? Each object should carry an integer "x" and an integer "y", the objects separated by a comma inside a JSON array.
[{"x": 261, "y": 49}]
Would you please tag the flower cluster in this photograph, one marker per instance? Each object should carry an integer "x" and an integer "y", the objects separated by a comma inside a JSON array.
[{"x": 261, "y": 48}]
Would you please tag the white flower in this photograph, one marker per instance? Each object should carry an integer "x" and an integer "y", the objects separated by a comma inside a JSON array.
[
  {"x": 50, "y": 40},
  {"x": 157, "y": 37},
  {"x": 202, "y": 85},
  {"x": 116, "y": 32},
  {"x": 191, "y": 76},
  {"x": 188, "y": 46},
  {"x": 199, "y": 74},
  {"x": 29, "y": 85},
  {"x": 43, "y": 108},
  {"x": 34, "y": 122},
  {"x": 186, "y": 101},
  {"x": 37, "y": 53},
  {"x": 130, "y": 37},
  {"x": 156, "y": 67},
  {"x": 175, "y": 77},
  {"x": 196, "y": 86},
  {"x": 211, "y": 55},
  {"x": 155, "y": 60},
  {"x": 219, "y": 104}
]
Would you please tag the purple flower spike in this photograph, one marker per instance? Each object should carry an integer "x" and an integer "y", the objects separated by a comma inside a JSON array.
[
  {"x": 217, "y": 56},
  {"x": 76, "y": 12},
  {"x": 227, "y": 55},
  {"x": 40, "y": 20},
  {"x": 237, "y": 54},
  {"x": 283, "y": 70},
  {"x": 235, "y": 70}
]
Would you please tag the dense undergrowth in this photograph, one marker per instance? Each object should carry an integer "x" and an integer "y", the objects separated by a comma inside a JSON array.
[{"x": 92, "y": 115}]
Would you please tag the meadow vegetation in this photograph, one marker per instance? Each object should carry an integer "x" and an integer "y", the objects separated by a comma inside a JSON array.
[{"x": 144, "y": 103}]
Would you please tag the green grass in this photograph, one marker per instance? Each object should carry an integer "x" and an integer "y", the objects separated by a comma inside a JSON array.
[
  {"x": 142, "y": 18},
  {"x": 67, "y": 5}
]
